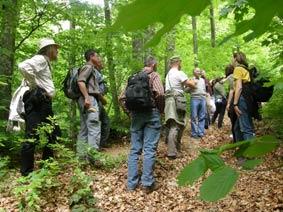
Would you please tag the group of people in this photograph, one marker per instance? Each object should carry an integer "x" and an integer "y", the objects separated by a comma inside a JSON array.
[
  {"x": 146, "y": 126},
  {"x": 94, "y": 123},
  {"x": 169, "y": 100}
]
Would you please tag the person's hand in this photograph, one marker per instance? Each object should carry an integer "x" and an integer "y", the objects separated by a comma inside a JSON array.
[
  {"x": 228, "y": 107},
  {"x": 87, "y": 103},
  {"x": 237, "y": 111}
]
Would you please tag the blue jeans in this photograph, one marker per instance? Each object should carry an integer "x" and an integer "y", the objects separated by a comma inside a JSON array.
[
  {"x": 243, "y": 127},
  {"x": 145, "y": 134},
  {"x": 198, "y": 111}
]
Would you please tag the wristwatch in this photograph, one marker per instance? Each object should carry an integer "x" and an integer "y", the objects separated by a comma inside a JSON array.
[{"x": 235, "y": 105}]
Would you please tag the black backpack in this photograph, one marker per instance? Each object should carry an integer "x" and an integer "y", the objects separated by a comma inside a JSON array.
[
  {"x": 256, "y": 89},
  {"x": 138, "y": 93},
  {"x": 255, "y": 92}
]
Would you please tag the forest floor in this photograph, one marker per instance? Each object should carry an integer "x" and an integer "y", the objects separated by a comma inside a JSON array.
[{"x": 257, "y": 190}]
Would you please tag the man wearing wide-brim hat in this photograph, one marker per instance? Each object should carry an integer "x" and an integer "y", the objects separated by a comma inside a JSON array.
[{"x": 38, "y": 100}]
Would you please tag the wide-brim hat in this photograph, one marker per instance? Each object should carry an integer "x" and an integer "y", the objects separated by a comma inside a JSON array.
[{"x": 47, "y": 42}]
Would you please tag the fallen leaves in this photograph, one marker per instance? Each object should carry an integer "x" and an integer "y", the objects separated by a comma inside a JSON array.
[{"x": 254, "y": 191}]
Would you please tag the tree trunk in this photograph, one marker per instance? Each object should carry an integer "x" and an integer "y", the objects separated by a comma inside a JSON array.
[
  {"x": 148, "y": 34},
  {"x": 212, "y": 24},
  {"x": 110, "y": 61},
  {"x": 9, "y": 20},
  {"x": 137, "y": 46},
  {"x": 169, "y": 50},
  {"x": 73, "y": 130},
  {"x": 195, "y": 40}
]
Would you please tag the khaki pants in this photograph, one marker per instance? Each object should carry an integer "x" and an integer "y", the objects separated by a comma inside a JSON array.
[{"x": 173, "y": 138}]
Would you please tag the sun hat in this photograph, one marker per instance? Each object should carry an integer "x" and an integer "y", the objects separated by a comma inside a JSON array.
[{"x": 46, "y": 42}]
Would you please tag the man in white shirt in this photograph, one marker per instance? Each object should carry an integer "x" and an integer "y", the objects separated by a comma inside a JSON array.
[
  {"x": 38, "y": 101},
  {"x": 175, "y": 118}
]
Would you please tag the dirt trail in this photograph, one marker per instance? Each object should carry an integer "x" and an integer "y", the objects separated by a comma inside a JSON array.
[{"x": 255, "y": 191}]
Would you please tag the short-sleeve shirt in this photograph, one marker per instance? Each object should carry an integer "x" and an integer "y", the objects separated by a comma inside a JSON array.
[
  {"x": 87, "y": 75},
  {"x": 175, "y": 79},
  {"x": 241, "y": 73}
]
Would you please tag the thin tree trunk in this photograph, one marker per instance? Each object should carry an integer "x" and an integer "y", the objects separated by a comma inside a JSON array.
[
  {"x": 148, "y": 34},
  {"x": 110, "y": 60},
  {"x": 137, "y": 46},
  {"x": 195, "y": 40},
  {"x": 73, "y": 130},
  {"x": 169, "y": 50},
  {"x": 212, "y": 25},
  {"x": 9, "y": 11}
]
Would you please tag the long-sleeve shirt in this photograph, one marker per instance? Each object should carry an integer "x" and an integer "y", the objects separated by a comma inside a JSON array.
[
  {"x": 156, "y": 88},
  {"x": 37, "y": 72}
]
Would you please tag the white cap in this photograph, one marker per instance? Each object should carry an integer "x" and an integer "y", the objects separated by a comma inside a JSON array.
[{"x": 46, "y": 42}]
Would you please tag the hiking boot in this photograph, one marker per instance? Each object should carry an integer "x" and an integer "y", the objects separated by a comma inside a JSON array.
[{"x": 150, "y": 189}]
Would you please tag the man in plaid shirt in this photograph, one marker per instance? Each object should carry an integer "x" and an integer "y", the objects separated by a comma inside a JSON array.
[{"x": 145, "y": 132}]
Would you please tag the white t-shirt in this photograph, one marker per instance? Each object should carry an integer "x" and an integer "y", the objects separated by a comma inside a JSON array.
[
  {"x": 175, "y": 79},
  {"x": 36, "y": 71}
]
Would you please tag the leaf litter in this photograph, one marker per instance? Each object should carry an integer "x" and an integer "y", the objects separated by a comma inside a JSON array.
[{"x": 254, "y": 191}]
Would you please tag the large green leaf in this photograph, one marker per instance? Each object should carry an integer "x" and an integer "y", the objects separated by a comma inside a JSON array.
[
  {"x": 265, "y": 10},
  {"x": 251, "y": 164},
  {"x": 143, "y": 13},
  {"x": 213, "y": 161},
  {"x": 261, "y": 146},
  {"x": 218, "y": 184},
  {"x": 192, "y": 172}
]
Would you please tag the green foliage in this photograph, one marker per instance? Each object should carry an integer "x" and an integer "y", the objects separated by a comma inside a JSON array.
[
  {"x": 31, "y": 187},
  {"x": 218, "y": 184},
  {"x": 259, "y": 23},
  {"x": 251, "y": 164},
  {"x": 169, "y": 14},
  {"x": 192, "y": 171},
  {"x": 4, "y": 162},
  {"x": 106, "y": 161},
  {"x": 261, "y": 146},
  {"x": 213, "y": 161},
  {"x": 82, "y": 197},
  {"x": 223, "y": 177}
]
